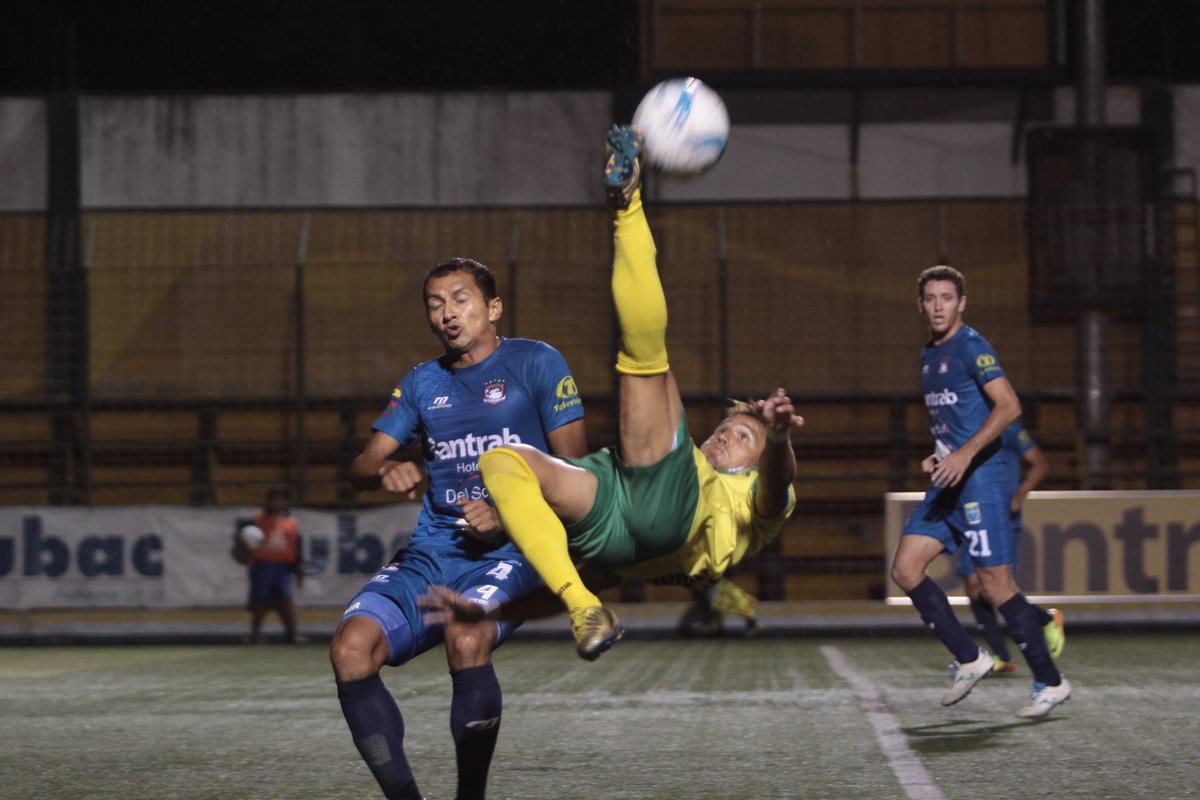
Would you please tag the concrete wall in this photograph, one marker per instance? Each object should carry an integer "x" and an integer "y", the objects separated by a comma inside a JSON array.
[
  {"x": 22, "y": 154},
  {"x": 518, "y": 148}
]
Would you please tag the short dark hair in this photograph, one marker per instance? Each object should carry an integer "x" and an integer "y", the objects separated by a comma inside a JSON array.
[
  {"x": 942, "y": 273},
  {"x": 281, "y": 492},
  {"x": 483, "y": 276}
]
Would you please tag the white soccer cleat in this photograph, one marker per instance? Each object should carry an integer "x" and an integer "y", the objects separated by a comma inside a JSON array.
[
  {"x": 1043, "y": 698},
  {"x": 967, "y": 675}
]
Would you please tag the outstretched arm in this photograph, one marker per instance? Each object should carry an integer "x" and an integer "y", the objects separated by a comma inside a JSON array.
[{"x": 777, "y": 465}]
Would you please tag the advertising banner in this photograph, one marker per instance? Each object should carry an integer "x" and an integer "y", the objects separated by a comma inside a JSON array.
[
  {"x": 179, "y": 557},
  {"x": 1087, "y": 546}
]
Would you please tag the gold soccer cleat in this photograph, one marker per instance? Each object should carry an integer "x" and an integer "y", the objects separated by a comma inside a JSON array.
[{"x": 596, "y": 629}]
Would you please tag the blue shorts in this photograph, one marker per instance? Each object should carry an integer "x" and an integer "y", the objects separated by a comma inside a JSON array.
[
  {"x": 490, "y": 577},
  {"x": 965, "y": 566},
  {"x": 270, "y": 583},
  {"x": 975, "y": 514}
]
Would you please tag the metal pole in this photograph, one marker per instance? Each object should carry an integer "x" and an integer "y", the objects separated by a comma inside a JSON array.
[
  {"x": 858, "y": 24},
  {"x": 1096, "y": 391},
  {"x": 959, "y": 33},
  {"x": 756, "y": 18},
  {"x": 85, "y": 360},
  {"x": 1152, "y": 367},
  {"x": 301, "y": 344}
]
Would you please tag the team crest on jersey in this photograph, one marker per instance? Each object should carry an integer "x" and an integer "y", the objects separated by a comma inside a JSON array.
[
  {"x": 494, "y": 392},
  {"x": 974, "y": 515},
  {"x": 944, "y": 365}
]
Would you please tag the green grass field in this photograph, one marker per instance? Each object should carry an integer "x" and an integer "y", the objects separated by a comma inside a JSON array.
[{"x": 769, "y": 718}]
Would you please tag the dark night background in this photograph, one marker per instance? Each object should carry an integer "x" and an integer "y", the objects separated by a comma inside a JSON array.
[{"x": 346, "y": 45}]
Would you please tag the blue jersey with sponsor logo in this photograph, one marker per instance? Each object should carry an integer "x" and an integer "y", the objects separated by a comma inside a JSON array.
[
  {"x": 518, "y": 394},
  {"x": 953, "y": 375}
]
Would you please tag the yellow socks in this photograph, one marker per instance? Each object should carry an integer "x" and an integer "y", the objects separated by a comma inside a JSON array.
[
  {"x": 532, "y": 525},
  {"x": 638, "y": 295}
]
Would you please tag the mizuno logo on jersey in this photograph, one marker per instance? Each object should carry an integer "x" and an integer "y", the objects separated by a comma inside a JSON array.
[
  {"x": 472, "y": 445},
  {"x": 943, "y": 398}
]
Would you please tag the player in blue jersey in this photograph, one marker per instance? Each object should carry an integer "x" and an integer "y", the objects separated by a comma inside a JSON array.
[
  {"x": 1019, "y": 448},
  {"x": 485, "y": 391},
  {"x": 970, "y": 403}
]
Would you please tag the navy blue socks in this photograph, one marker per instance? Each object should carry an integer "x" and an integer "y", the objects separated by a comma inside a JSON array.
[
  {"x": 935, "y": 610},
  {"x": 989, "y": 628},
  {"x": 1024, "y": 623},
  {"x": 378, "y": 731},
  {"x": 474, "y": 724}
]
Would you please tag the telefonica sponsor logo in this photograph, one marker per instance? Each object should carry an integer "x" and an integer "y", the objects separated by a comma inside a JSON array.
[
  {"x": 943, "y": 398},
  {"x": 472, "y": 445}
]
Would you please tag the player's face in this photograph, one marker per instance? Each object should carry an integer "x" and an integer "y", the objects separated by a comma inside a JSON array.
[
  {"x": 942, "y": 308},
  {"x": 458, "y": 314},
  {"x": 737, "y": 443}
]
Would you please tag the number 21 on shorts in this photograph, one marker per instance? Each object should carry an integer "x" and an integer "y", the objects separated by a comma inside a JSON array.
[{"x": 978, "y": 547}]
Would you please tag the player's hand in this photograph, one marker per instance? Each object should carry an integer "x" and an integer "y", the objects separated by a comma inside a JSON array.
[
  {"x": 481, "y": 520},
  {"x": 779, "y": 413},
  {"x": 928, "y": 463},
  {"x": 403, "y": 478},
  {"x": 443, "y": 605},
  {"x": 950, "y": 470},
  {"x": 1017, "y": 503}
]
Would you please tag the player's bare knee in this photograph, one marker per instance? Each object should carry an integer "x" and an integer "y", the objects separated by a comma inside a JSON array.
[
  {"x": 352, "y": 652},
  {"x": 469, "y": 644},
  {"x": 996, "y": 584},
  {"x": 905, "y": 576}
]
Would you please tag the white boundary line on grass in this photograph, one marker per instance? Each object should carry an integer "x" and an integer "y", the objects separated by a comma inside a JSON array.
[{"x": 905, "y": 764}]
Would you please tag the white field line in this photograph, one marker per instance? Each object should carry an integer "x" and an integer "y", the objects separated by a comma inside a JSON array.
[{"x": 905, "y": 764}]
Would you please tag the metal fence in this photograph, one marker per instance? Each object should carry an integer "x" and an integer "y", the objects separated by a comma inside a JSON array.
[{"x": 198, "y": 356}]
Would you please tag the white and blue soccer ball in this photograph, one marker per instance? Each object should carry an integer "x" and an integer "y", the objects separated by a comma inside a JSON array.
[
  {"x": 685, "y": 123},
  {"x": 251, "y": 536}
]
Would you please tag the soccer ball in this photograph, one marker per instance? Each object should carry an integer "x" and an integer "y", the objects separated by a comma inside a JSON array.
[
  {"x": 251, "y": 536},
  {"x": 685, "y": 124}
]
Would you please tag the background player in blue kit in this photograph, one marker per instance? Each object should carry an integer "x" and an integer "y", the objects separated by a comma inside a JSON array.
[
  {"x": 485, "y": 391},
  {"x": 970, "y": 403},
  {"x": 1018, "y": 447}
]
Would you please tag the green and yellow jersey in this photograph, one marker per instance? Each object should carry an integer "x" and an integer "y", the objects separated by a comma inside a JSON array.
[{"x": 725, "y": 529}]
